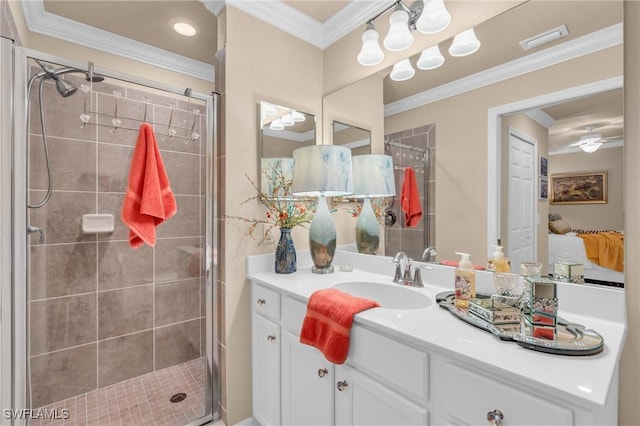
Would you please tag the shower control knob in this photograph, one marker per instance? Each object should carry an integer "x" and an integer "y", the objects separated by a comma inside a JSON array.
[{"x": 261, "y": 302}]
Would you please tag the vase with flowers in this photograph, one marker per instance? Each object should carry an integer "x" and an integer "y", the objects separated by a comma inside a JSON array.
[{"x": 284, "y": 211}]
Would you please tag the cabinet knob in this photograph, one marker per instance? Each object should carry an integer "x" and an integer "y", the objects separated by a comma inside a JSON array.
[
  {"x": 271, "y": 337},
  {"x": 261, "y": 302},
  {"x": 495, "y": 417},
  {"x": 322, "y": 372},
  {"x": 342, "y": 385}
]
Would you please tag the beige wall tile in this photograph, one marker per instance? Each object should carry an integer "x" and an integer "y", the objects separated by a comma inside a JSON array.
[
  {"x": 177, "y": 301},
  {"x": 120, "y": 266},
  {"x": 73, "y": 164},
  {"x": 177, "y": 258},
  {"x": 124, "y": 357},
  {"x": 124, "y": 311},
  {"x": 61, "y": 217},
  {"x": 177, "y": 343}
]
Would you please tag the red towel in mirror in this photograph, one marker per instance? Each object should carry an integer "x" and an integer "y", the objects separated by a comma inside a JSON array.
[
  {"x": 327, "y": 324},
  {"x": 149, "y": 200},
  {"x": 410, "y": 199}
]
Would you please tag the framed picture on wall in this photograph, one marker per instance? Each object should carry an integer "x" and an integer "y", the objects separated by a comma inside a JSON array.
[
  {"x": 543, "y": 166},
  {"x": 579, "y": 188},
  {"x": 544, "y": 188}
]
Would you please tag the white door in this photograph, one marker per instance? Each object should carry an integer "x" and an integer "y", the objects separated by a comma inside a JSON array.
[{"x": 521, "y": 193}]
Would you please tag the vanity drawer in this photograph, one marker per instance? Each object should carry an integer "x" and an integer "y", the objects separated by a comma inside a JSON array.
[
  {"x": 293, "y": 312},
  {"x": 266, "y": 302},
  {"x": 403, "y": 367}
]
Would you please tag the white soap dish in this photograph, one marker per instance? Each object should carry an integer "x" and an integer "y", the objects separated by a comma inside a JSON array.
[{"x": 97, "y": 223}]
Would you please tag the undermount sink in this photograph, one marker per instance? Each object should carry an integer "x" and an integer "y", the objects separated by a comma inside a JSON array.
[{"x": 390, "y": 296}]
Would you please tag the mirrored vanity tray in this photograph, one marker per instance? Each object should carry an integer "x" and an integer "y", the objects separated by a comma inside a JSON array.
[{"x": 572, "y": 339}]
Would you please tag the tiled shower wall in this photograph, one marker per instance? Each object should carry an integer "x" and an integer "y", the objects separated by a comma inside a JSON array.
[
  {"x": 99, "y": 311},
  {"x": 398, "y": 237}
]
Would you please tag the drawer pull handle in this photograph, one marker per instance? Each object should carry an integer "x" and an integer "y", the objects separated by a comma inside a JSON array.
[
  {"x": 495, "y": 417},
  {"x": 342, "y": 385},
  {"x": 271, "y": 337},
  {"x": 261, "y": 302},
  {"x": 322, "y": 372}
]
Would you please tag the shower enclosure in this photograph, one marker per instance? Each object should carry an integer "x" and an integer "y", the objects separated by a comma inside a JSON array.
[{"x": 91, "y": 329}]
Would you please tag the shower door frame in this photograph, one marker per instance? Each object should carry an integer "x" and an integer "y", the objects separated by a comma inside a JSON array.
[{"x": 13, "y": 286}]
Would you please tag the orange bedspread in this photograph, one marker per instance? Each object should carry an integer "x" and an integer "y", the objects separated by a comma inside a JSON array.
[{"x": 605, "y": 249}]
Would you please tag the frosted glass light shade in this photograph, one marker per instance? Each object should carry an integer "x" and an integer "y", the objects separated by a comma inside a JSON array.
[
  {"x": 276, "y": 124},
  {"x": 287, "y": 120},
  {"x": 434, "y": 17},
  {"x": 464, "y": 43},
  {"x": 430, "y": 58},
  {"x": 371, "y": 53},
  {"x": 402, "y": 71},
  {"x": 268, "y": 109},
  {"x": 271, "y": 169},
  {"x": 399, "y": 36},
  {"x": 322, "y": 170},
  {"x": 298, "y": 117},
  {"x": 373, "y": 176},
  {"x": 590, "y": 147}
]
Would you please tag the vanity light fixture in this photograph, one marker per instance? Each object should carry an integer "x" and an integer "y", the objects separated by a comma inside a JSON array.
[
  {"x": 276, "y": 124},
  {"x": 184, "y": 27},
  {"x": 269, "y": 109},
  {"x": 402, "y": 71},
  {"x": 430, "y": 58},
  {"x": 298, "y": 117},
  {"x": 428, "y": 17},
  {"x": 464, "y": 44},
  {"x": 287, "y": 120}
]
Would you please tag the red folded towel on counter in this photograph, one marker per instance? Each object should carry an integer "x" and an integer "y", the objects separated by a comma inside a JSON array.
[
  {"x": 410, "y": 199},
  {"x": 327, "y": 324},
  {"x": 149, "y": 200}
]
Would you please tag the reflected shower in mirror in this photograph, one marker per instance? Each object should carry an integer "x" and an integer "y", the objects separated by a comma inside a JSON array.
[
  {"x": 352, "y": 137},
  {"x": 282, "y": 130}
]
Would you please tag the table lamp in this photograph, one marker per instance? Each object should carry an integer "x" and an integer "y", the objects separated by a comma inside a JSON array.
[
  {"x": 322, "y": 170},
  {"x": 372, "y": 177}
]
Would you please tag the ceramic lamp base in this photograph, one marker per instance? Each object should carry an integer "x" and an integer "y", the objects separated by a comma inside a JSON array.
[
  {"x": 322, "y": 239},
  {"x": 367, "y": 230}
]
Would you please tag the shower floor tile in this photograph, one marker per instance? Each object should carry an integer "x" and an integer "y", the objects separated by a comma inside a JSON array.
[{"x": 143, "y": 400}]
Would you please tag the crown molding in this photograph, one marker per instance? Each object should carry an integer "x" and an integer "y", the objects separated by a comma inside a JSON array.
[
  {"x": 540, "y": 117},
  {"x": 40, "y": 21},
  {"x": 580, "y": 46},
  {"x": 574, "y": 149},
  {"x": 350, "y": 17},
  {"x": 289, "y": 135}
]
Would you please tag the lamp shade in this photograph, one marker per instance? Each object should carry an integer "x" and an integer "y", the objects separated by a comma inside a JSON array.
[
  {"x": 399, "y": 36},
  {"x": 371, "y": 53},
  {"x": 590, "y": 147},
  {"x": 430, "y": 58},
  {"x": 373, "y": 176},
  {"x": 402, "y": 71},
  {"x": 434, "y": 17},
  {"x": 322, "y": 170},
  {"x": 275, "y": 170},
  {"x": 464, "y": 43}
]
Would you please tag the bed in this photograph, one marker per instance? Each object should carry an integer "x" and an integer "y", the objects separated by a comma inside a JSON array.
[{"x": 570, "y": 248}]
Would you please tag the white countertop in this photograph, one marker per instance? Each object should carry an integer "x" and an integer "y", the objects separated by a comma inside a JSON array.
[{"x": 581, "y": 378}]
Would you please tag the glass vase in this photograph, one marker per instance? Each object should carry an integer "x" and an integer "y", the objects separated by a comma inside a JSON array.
[{"x": 285, "y": 262}]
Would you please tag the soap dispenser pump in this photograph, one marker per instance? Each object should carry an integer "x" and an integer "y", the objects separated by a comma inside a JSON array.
[
  {"x": 498, "y": 263},
  {"x": 465, "y": 281}
]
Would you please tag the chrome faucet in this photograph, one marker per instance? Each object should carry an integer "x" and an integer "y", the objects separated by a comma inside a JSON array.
[
  {"x": 404, "y": 277},
  {"x": 34, "y": 229},
  {"x": 429, "y": 255}
]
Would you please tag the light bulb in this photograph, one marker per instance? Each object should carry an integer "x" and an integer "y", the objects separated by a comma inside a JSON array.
[
  {"x": 399, "y": 36},
  {"x": 434, "y": 17},
  {"x": 402, "y": 71},
  {"x": 430, "y": 58},
  {"x": 464, "y": 43},
  {"x": 371, "y": 53}
]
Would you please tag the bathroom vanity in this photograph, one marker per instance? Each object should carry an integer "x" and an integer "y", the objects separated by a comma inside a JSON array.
[{"x": 412, "y": 362}]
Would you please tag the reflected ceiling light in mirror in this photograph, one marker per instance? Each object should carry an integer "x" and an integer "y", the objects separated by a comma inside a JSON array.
[
  {"x": 434, "y": 17},
  {"x": 464, "y": 43},
  {"x": 590, "y": 147},
  {"x": 268, "y": 109},
  {"x": 371, "y": 53},
  {"x": 276, "y": 124},
  {"x": 399, "y": 36},
  {"x": 287, "y": 120},
  {"x": 298, "y": 117},
  {"x": 402, "y": 71},
  {"x": 430, "y": 58}
]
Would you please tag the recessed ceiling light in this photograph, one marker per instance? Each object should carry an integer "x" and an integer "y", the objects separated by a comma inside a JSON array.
[{"x": 184, "y": 26}]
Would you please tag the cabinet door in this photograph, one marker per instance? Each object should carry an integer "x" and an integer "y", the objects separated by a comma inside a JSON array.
[
  {"x": 307, "y": 384},
  {"x": 362, "y": 401},
  {"x": 266, "y": 371}
]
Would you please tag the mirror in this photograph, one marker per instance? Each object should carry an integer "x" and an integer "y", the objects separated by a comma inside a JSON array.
[
  {"x": 282, "y": 130},
  {"x": 356, "y": 139},
  {"x": 457, "y": 97}
]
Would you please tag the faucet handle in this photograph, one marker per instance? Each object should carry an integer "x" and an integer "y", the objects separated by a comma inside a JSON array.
[
  {"x": 417, "y": 278},
  {"x": 398, "y": 275},
  {"x": 407, "y": 271}
]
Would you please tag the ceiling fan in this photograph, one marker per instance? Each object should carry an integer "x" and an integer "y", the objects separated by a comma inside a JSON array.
[{"x": 591, "y": 142}]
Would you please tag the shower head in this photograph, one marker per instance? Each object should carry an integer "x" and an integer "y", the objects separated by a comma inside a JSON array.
[
  {"x": 64, "y": 87},
  {"x": 94, "y": 78}
]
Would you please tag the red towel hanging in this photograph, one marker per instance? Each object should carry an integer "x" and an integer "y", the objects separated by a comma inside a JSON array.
[{"x": 410, "y": 199}]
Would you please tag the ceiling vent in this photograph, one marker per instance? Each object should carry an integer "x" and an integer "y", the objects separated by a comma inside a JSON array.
[{"x": 544, "y": 38}]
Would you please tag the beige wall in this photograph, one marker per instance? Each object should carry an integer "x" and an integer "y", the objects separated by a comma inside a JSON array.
[
  {"x": 342, "y": 68},
  {"x": 593, "y": 216},
  {"x": 461, "y": 126},
  {"x": 629, "y": 412},
  {"x": 526, "y": 125}
]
